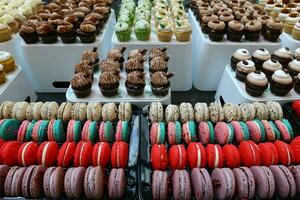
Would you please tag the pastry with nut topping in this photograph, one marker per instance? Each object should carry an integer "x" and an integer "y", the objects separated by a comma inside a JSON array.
[
  {"x": 47, "y": 33},
  {"x": 160, "y": 83},
  {"x": 28, "y": 32},
  {"x": 87, "y": 32},
  {"x": 109, "y": 83},
  {"x": 81, "y": 84},
  {"x": 66, "y": 32},
  {"x": 135, "y": 83}
]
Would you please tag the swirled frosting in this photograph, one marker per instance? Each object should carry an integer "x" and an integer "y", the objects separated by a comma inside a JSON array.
[
  {"x": 133, "y": 64},
  {"x": 257, "y": 78},
  {"x": 108, "y": 78},
  {"x": 158, "y": 63},
  {"x": 295, "y": 65},
  {"x": 262, "y": 54},
  {"x": 242, "y": 54},
  {"x": 283, "y": 53},
  {"x": 271, "y": 65},
  {"x": 245, "y": 66},
  {"x": 80, "y": 80},
  {"x": 136, "y": 77},
  {"x": 282, "y": 77},
  {"x": 121, "y": 26}
]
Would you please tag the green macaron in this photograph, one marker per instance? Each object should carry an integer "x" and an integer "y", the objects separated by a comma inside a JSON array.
[
  {"x": 277, "y": 132},
  {"x": 162, "y": 133},
  {"x": 28, "y": 135},
  {"x": 262, "y": 129},
  {"x": 93, "y": 131},
  {"x": 42, "y": 132},
  {"x": 125, "y": 131},
  {"x": 58, "y": 131},
  {"x": 178, "y": 132},
  {"x": 289, "y": 127},
  {"x": 192, "y": 128},
  {"x": 211, "y": 132},
  {"x": 77, "y": 131},
  {"x": 245, "y": 130},
  {"x": 231, "y": 132},
  {"x": 109, "y": 132},
  {"x": 9, "y": 129}
]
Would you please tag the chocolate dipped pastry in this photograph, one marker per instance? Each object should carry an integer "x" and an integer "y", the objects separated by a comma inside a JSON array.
[
  {"x": 239, "y": 55},
  {"x": 256, "y": 83},
  {"x": 66, "y": 32},
  {"x": 243, "y": 68},
  {"x": 135, "y": 83},
  {"x": 28, "y": 32},
  {"x": 116, "y": 54},
  {"x": 47, "y": 33},
  {"x": 283, "y": 55},
  {"x": 87, "y": 32},
  {"x": 273, "y": 30},
  {"x": 81, "y": 84},
  {"x": 235, "y": 31},
  {"x": 109, "y": 83},
  {"x": 281, "y": 82},
  {"x": 260, "y": 56},
  {"x": 134, "y": 65},
  {"x": 158, "y": 64},
  {"x": 160, "y": 83},
  {"x": 92, "y": 56}
]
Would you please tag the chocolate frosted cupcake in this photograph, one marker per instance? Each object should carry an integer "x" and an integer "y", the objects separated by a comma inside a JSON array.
[
  {"x": 92, "y": 56},
  {"x": 160, "y": 83},
  {"x": 297, "y": 54},
  {"x": 283, "y": 55},
  {"x": 248, "y": 18},
  {"x": 281, "y": 83},
  {"x": 85, "y": 67},
  {"x": 158, "y": 64},
  {"x": 138, "y": 54},
  {"x": 253, "y": 30},
  {"x": 134, "y": 65},
  {"x": 273, "y": 30},
  {"x": 55, "y": 20},
  {"x": 66, "y": 32},
  {"x": 81, "y": 84},
  {"x": 109, "y": 84},
  {"x": 297, "y": 84},
  {"x": 239, "y": 14},
  {"x": 259, "y": 57},
  {"x": 243, "y": 68},
  {"x": 109, "y": 65},
  {"x": 47, "y": 33},
  {"x": 256, "y": 83},
  {"x": 116, "y": 54},
  {"x": 216, "y": 30},
  {"x": 71, "y": 18},
  {"x": 235, "y": 31},
  {"x": 270, "y": 66},
  {"x": 239, "y": 55},
  {"x": 294, "y": 67},
  {"x": 87, "y": 32},
  {"x": 226, "y": 18},
  {"x": 205, "y": 20},
  {"x": 28, "y": 32},
  {"x": 264, "y": 19},
  {"x": 135, "y": 83}
]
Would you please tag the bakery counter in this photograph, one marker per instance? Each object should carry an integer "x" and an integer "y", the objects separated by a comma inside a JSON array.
[{"x": 288, "y": 41}]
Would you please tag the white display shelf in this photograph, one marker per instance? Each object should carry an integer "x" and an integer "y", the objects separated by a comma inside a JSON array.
[
  {"x": 233, "y": 90},
  {"x": 209, "y": 57},
  {"x": 17, "y": 87},
  {"x": 180, "y": 56},
  {"x": 142, "y": 100},
  {"x": 288, "y": 41},
  {"x": 50, "y": 63}
]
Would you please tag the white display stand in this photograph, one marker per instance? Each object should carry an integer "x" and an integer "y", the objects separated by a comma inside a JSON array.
[
  {"x": 233, "y": 91},
  {"x": 288, "y": 41},
  {"x": 209, "y": 58},
  {"x": 17, "y": 87},
  {"x": 50, "y": 63},
  {"x": 180, "y": 56}
]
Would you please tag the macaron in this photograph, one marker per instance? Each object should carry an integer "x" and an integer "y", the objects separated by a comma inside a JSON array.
[
  {"x": 244, "y": 183},
  {"x": 79, "y": 111},
  {"x": 159, "y": 157},
  {"x": 56, "y": 131},
  {"x": 231, "y": 156},
  {"x": 27, "y": 154},
  {"x": 52, "y": 110},
  {"x": 285, "y": 184},
  {"x": 241, "y": 131},
  {"x": 270, "y": 132},
  {"x": 201, "y": 112},
  {"x": 214, "y": 156},
  {"x": 22, "y": 131},
  {"x": 28, "y": 135},
  {"x": 9, "y": 153},
  {"x": 101, "y": 154},
  {"x": 159, "y": 185},
  {"x": 216, "y": 112},
  {"x": 32, "y": 183},
  {"x": 4, "y": 169},
  {"x": 64, "y": 112},
  {"x": 106, "y": 132},
  {"x": 110, "y": 112},
  {"x": 295, "y": 169},
  {"x": 231, "y": 112},
  {"x": 122, "y": 131},
  {"x": 125, "y": 111},
  {"x": 171, "y": 113},
  {"x": 65, "y": 155},
  {"x": 196, "y": 155},
  {"x": 157, "y": 133},
  {"x": 9, "y": 129},
  {"x": 53, "y": 183},
  {"x": 249, "y": 153},
  {"x": 201, "y": 183},
  {"x": 13, "y": 182},
  {"x": 5, "y": 109},
  {"x": 206, "y": 133},
  {"x": 39, "y": 131},
  {"x": 119, "y": 155},
  {"x": 74, "y": 131},
  {"x": 174, "y": 133},
  {"x": 257, "y": 131},
  {"x": 116, "y": 184},
  {"x": 285, "y": 128},
  {"x": 94, "y": 183},
  {"x": 277, "y": 132},
  {"x": 261, "y": 111},
  {"x": 295, "y": 147},
  {"x": 189, "y": 132},
  {"x": 247, "y": 112},
  {"x": 18, "y": 111},
  {"x": 223, "y": 181},
  {"x": 275, "y": 110},
  {"x": 295, "y": 107},
  {"x": 83, "y": 154},
  {"x": 156, "y": 112},
  {"x": 268, "y": 154},
  {"x": 29, "y": 112},
  {"x": 94, "y": 111},
  {"x": 47, "y": 154},
  {"x": 186, "y": 112},
  {"x": 177, "y": 157},
  {"x": 89, "y": 131},
  {"x": 182, "y": 188},
  {"x": 36, "y": 111},
  {"x": 223, "y": 133},
  {"x": 74, "y": 182},
  {"x": 285, "y": 154}
]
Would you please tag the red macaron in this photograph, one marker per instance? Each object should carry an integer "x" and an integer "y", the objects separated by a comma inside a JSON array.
[
  {"x": 66, "y": 154},
  {"x": 268, "y": 154},
  {"x": 159, "y": 157},
  {"x": 177, "y": 157},
  {"x": 231, "y": 156},
  {"x": 119, "y": 155},
  {"x": 83, "y": 154},
  {"x": 47, "y": 154},
  {"x": 101, "y": 154},
  {"x": 249, "y": 153},
  {"x": 27, "y": 154},
  {"x": 295, "y": 146},
  {"x": 196, "y": 155},
  {"x": 296, "y": 107},
  {"x": 9, "y": 153},
  {"x": 214, "y": 156},
  {"x": 285, "y": 154}
]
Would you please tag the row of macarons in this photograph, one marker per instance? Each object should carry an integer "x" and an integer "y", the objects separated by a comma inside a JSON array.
[
  {"x": 49, "y": 154},
  {"x": 257, "y": 182},
  {"x": 215, "y": 112},
  {"x": 212, "y": 156},
  {"x": 37, "y": 181},
  {"x": 222, "y": 133},
  {"x": 54, "y": 130},
  {"x": 66, "y": 111}
]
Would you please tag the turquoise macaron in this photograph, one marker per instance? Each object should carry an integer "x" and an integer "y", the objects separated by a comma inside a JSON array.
[
  {"x": 28, "y": 135},
  {"x": 277, "y": 132},
  {"x": 245, "y": 130},
  {"x": 42, "y": 132},
  {"x": 106, "y": 132},
  {"x": 56, "y": 131},
  {"x": 9, "y": 129},
  {"x": 262, "y": 130},
  {"x": 122, "y": 132}
]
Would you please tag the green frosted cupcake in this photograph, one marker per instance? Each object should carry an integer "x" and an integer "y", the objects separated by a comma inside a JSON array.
[
  {"x": 122, "y": 31},
  {"x": 142, "y": 30}
]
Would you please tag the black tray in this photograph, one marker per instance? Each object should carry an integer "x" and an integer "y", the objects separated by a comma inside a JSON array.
[{"x": 289, "y": 114}]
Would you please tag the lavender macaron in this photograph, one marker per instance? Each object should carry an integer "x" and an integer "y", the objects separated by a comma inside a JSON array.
[
  {"x": 116, "y": 184},
  {"x": 181, "y": 185},
  {"x": 245, "y": 184},
  {"x": 202, "y": 185},
  {"x": 160, "y": 185},
  {"x": 223, "y": 182},
  {"x": 264, "y": 182}
]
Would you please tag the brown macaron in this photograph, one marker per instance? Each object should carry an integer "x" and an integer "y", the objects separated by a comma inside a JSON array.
[
  {"x": 54, "y": 182},
  {"x": 32, "y": 184},
  {"x": 74, "y": 181}
]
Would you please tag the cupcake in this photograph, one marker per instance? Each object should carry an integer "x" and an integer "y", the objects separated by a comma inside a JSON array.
[
  {"x": 91, "y": 56},
  {"x": 84, "y": 66},
  {"x": 158, "y": 64},
  {"x": 66, "y": 32},
  {"x": 273, "y": 30},
  {"x": 80, "y": 15},
  {"x": 87, "y": 32},
  {"x": 109, "y": 83},
  {"x": 243, "y": 68},
  {"x": 28, "y": 32},
  {"x": 205, "y": 20},
  {"x": 11, "y": 22},
  {"x": 116, "y": 54},
  {"x": 47, "y": 33},
  {"x": 248, "y": 18},
  {"x": 134, "y": 65},
  {"x": 226, "y": 18},
  {"x": 297, "y": 84},
  {"x": 284, "y": 13},
  {"x": 216, "y": 30},
  {"x": 109, "y": 65},
  {"x": 283, "y": 55},
  {"x": 73, "y": 20},
  {"x": 235, "y": 31},
  {"x": 290, "y": 22},
  {"x": 256, "y": 83},
  {"x": 123, "y": 31},
  {"x": 264, "y": 19},
  {"x": 158, "y": 52},
  {"x": 224, "y": 12},
  {"x": 253, "y": 30},
  {"x": 259, "y": 57},
  {"x": 296, "y": 31},
  {"x": 142, "y": 30},
  {"x": 81, "y": 84},
  {"x": 138, "y": 54},
  {"x": 297, "y": 54},
  {"x": 160, "y": 83},
  {"x": 5, "y": 33},
  {"x": 135, "y": 83},
  {"x": 294, "y": 67},
  {"x": 55, "y": 20},
  {"x": 164, "y": 32},
  {"x": 96, "y": 20},
  {"x": 239, "y": 55},
  {"x": 270, "y": 66},
  {"x": 239, "y": 14},
  {"x": 281, "y": 83},
  {"x": 269, "y": 6},
  {"x": 183, "y": 31}
]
